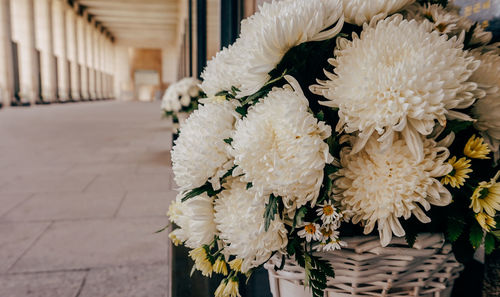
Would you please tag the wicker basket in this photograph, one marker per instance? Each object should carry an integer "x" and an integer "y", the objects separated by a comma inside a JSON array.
[{"x": 364, "y": 268}]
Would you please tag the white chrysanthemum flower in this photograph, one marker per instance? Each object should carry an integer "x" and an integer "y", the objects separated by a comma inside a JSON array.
[
  {"x": 265, "y": 38},
  {"x": 487, "y": 109},
  {"x": 180, "y": 93},
  {"x": 448, "y": 21},
  {"x": 170, "y": 101},
  {"x": 380, "y": 187},
  {"x": 384, "y": 85},
  {"x": 362, "y": 11},
  {"x": 279, "y": 147},
  {"x": 195, "y": 218},
  {"x": 222, "y": 71},
  {"x": 200, "y": 153},
  {"x": 240, "y": 219}
]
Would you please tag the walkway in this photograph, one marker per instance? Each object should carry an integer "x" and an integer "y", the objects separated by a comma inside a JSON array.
[{"x": 83, "y": 187}]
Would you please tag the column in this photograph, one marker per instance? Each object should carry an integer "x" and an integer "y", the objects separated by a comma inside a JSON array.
[
  {"x": 109, "y": 63},
  {"x": 82, "y": 57},
  {"x": 6, "y": 66},
  {"x": 59, "y": 38},
  {"x": 44, "y": 43},
  {"x": 24, "y": 34},
  {"x": 89, "y": 42},
  {"x": 104, "y": 39},
  {"x": 72, "y": 52},
  {"x": 97, "y": 60}
]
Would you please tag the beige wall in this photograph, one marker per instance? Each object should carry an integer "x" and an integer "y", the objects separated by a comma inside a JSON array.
[
  {"x": 213, "y": 28},
  {"x": 169, "y": 65}
]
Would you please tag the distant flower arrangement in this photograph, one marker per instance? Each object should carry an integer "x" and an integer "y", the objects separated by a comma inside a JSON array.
[
  {"x": 181, "y": 98},
  {"x": 335, "y": 118}
]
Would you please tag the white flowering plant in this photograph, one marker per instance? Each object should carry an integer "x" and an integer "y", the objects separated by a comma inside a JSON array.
[
  {"x": 335, "y": 118},
  {"x": 181, "y": 97}
]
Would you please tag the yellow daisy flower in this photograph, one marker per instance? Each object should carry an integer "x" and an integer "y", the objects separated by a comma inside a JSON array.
[
  {"x": 476, "y": 148},
  {"x": 486, "y": 197},
  {"x": 231, "y": 289},
  {"x": 176, "y": 241},
  {"x": 236, "y": 264},
  {"x": 486, "y": 221},
  {"x": 220, "y": 289},
  {"x": 220, "y": 266},
  {"x": 459, "y": 174},
  {"x": 201, "y": 262}
]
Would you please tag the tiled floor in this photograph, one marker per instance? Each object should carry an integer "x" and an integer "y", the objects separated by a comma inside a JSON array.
[{"x": 83, "y": 188}]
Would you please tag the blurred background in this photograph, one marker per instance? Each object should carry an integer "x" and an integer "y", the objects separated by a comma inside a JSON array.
[
  {"x": 58, "y": 50},
  {"x": 84, "y": 185}
]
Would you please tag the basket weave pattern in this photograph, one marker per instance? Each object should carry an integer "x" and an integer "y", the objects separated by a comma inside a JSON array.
[{"x": 364, "y": 268}]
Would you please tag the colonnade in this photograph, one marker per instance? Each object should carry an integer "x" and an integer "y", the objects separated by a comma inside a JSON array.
[{"x": 53, "y": 51}]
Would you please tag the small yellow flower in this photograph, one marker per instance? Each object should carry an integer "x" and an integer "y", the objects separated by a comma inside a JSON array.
[
  {"x": 176, "y": 241},
  {"x": 486, "y": 197},
  {"x": 486, "y": 221},
  {"x": 220, "y": 289},
  {"x": 476, "y": 148},
  {"x": 456, "y": 178},
  {"x": 231, "y": 289},
  {"x": 216, "y": 99},
  {"x": 236, "y": 264},
  {"x": 220, "y": 266},
  {"x": 201, "y": 262}
]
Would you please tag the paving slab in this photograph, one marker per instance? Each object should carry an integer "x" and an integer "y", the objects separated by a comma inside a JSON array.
[
  {"x": 15, "y": 240},
  {"x": 65, "y": 219},
  {"x": 47, "y": 183},
  {"x": 66, "y": 206},
  {"x": 130, "y": 182},
  {"x": 55, "y": 284},
  {"x": 10, "y": 200},
  {"x": 102, "y": 169},
  {"x": 85, "y": 244},
  {"x": 128, "y": 281},
  {"x": 144, "y": 204}
]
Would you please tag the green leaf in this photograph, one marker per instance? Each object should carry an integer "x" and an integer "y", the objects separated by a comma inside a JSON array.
[
  {"x": 271, "y": 210},
  {"x": 454, "y": 228},
  {"x": 496, "y": 233},
  {"x": 241, "y": 110},
  {"x": 476, "y": 235},
  {"x": 456, "y": 126},
  {"x": 234, "y": 90},
  {"x": 292, "y": 245},
  {"x": 228, "y": 140},
  {"x": 162, "y": 229},
  {"x": 489, "y": 243},
  {"x": 320, "y": 116},
  {"x": 229, "y": 172},
  {"x": 329, "y": 169},
  {"x": 197, "y": 191},
  {"x": 249, "y": 185},
  {"x": 411, "y": 237},
  {"x": 317, "y": 270},
  {"x": 298, "y": 219},
  {"x": 222, "y": 93}
]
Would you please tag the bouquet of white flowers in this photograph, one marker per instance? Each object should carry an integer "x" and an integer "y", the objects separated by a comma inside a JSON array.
[
  {"x": 181, "y": 97},
  {"x": 335, "y": 118}
]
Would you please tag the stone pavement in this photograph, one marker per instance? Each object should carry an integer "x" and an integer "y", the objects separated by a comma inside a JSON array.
[{"x": 83, "y": 187}]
